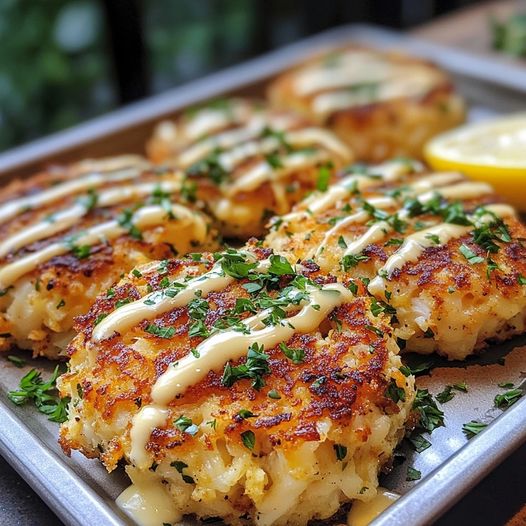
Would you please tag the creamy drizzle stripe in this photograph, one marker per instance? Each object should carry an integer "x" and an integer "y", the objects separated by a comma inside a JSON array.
[
  {"x": 320, "y": 202},
  {"x": 144, "y": 218},
  {"x": 263, "y": 172},
  {"x": 12, "y": 208},
  {"x": 65, "y": 219},
  {"x": 232, "y": 138},
  {"x": 422, "y": 185},
  {"x": 220, "y": 348},
  {"x": 209, "y": 120},
  {"x": 415, "y": 244},
  {"x": 381, "y": 229}
]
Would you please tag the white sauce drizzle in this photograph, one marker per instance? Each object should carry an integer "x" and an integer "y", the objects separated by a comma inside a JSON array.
[
  {"x": 422, "y": 185},
  {"x": 256, "y": 176},
  {"x": 157, "y": 303},
  {"x": 16, "y": 206},
  {"x": 379, "y": 230},
  {"x": 360, "y": 77},
  {"x": 208, "y": 120},
  {"x": 363, "y": 513},
  {"x": 220, "y": 348},
  {"x": 144, "y": 218},
  {"x": 65, "y": 219},
  {"x": 415, "y": 244},
  {"x": 231, "y": 138},
  {"x": 320, "y": 202}
]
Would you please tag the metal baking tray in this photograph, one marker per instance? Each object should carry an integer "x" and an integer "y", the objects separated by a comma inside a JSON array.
[{"x": 81, "y": 492}]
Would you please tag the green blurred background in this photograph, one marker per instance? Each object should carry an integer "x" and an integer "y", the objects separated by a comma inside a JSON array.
[{"x": 64, "y": 61}]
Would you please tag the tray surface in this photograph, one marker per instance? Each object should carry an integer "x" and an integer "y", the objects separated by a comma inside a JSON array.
[{"x": 82, "y": 493}]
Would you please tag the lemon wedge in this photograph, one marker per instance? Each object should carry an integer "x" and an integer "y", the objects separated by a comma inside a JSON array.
[{"x": 493, "y": 152}]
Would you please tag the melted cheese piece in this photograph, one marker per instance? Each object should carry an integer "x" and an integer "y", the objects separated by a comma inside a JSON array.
[
  {"x": 65, "y": 219},
  {"x": 82, "y": 184},
  {"x": 415, "y": 244},
  {"x": 144, "y": 218},
  {"x": 218, "y": 349},
  {"x": 148, "y": 504},
  {"x": 363, "y": 513}
]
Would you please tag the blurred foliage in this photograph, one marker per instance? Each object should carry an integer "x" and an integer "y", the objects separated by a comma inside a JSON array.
[
  {"x": 54, "y": 70},
  {"x": 195, "y": 37},
  {"x": 509, "y": 36}
]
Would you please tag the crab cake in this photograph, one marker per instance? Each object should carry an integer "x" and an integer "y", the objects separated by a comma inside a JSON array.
[
  {"x": 381, "y": 103},
  {"x": 248, "y": 162},
  {"x": 233, "y": 380},
  {"x": 439, "y": 252},
  {"x": 71, "y": 232}
]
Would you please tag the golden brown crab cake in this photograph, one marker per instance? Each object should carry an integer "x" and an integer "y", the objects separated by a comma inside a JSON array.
[
  {"x": 71, "y": 232},
  {"x": 232, "y": 380},
  {"x": 381, "y": 103},
  {"x": 441, "y": 251},
  {"x": 248, "y": 162}
]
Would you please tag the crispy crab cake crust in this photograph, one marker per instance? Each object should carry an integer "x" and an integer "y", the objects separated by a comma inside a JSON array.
[
  {"x": 247, "y": 162},
  {"x": 376, "y": 129},
  {"x": 443, "y": 302},
  {"x": 38, "y": 309},
  {"x": 334, "y": 400}
]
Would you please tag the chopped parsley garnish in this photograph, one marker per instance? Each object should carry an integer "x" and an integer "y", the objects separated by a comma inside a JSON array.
[
  {"x": 447, "y": 393},
  {"x": 210, "y": 167},
  {"x": 378, "y": 307},
  {"x": 342, "y": 243},
  {"x": 81, "y": 251},
  {"x": 43, "y": 394},
  {"x": 473, "y": 428},
  {"x": 160, "y": 332},
  {"x": 324, "y": 176},
  {"x": 413, "y": 474},
  {"x": 280, "y": 266},
  {"x": 418, "y": 442},
  {"x": 431, "y": 416},
  {"x": 249, "y": 439},
  {"x": 89, "y": 201},
  {"x": 197, "y": 310},
  {"x": 245, "y": 413},
  {"x": 125, "y": 220},
  {"x": 185, "y": 424},
  {"x": 254, "y": 368},
  {"x": 470, "y": 255},
  {"x": 395, "y": 393},
  {"x": 16, "y": 361},
  {"x": 394, "y": 242},
  {"x": 508, "y": 398},
  {"x": 341, "y": 451},
  {"x": 352, "y": 260},
  {"x": 434, "y": 238},
  {"x": 274, "y": 161},
  {"x": 121, "y": 303},
  {"x": 180, "y": 466},
  {"x": 296, "y": 355}
]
